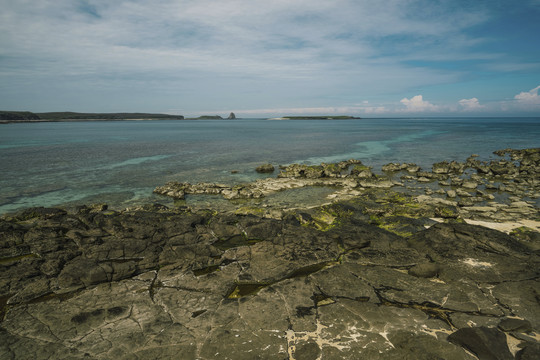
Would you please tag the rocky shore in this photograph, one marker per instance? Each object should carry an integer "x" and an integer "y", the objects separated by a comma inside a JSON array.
[{"x": 394, "y": 266}]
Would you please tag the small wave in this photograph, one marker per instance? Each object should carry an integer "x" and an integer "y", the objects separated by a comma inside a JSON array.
[
  {"x": 136, "y": 161},
  {"x": 369, "y": 149}
]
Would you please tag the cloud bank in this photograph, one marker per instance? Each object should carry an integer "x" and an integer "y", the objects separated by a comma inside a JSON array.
[
  {"x": 529, "y": 97},
  {"x": 196, "y": 55},
  {"x": 418, "y": 104},
  {"x": 471, "y": 104}
]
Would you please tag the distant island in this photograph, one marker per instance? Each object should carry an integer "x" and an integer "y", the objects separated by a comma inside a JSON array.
[
  {"x": 213, "y": 117},
  {"x": 325, "y": 117},
  {"x": 206, "y": 117},
  {"x": 27, "y": 116}
]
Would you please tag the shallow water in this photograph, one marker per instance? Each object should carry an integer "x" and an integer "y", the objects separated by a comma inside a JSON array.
[{"x": 121, "y": 162}]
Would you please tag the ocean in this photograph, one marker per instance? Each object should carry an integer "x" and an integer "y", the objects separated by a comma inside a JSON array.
[{"x": 121, "y": 162}]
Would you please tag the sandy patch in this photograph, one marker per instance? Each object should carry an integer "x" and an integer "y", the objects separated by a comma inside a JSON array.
[{"x": 505, "y": 227}]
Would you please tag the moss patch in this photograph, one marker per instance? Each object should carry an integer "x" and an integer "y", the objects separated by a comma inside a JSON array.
[
  {"x": 244, "y": 289},
  {"x": 12, "y": 259},
  {"x": 249, "y": 210}
]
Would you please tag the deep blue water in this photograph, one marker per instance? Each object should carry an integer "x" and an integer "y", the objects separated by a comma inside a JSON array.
[{"x": 47, "y": 164}]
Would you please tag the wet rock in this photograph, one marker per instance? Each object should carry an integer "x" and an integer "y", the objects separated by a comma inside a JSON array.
[
  {"x": 266, "y": 168},
  {"x": 512, "y": 324},
  {"x": 393, "y": 167},
  {"x": 172, "y": 189},
  {"x": 413, "y": 168},
  {"x": 442, "y": 167},
  {"x": 485, "y": 343},
  {"x": 426, "y": 270},
  {"x": 302, "y": 171},
  {"x": 463, "y": 193},
  {"x": 503, "y": 168},
  {"x": 307, "y": 351},
  {"x": 529, "y": 352},
  {"x": 457, "y": 167},
  {"x": 469, "y": 184},
  {"x": 361, "y": 171},
  {"x": 381, "y": 184},
  {"x": 81, "y": 273}
]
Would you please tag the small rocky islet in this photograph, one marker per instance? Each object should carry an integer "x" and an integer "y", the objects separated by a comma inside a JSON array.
[{"x": 393, "y": 266}]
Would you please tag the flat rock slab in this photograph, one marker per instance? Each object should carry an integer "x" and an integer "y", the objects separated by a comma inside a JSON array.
[
  {"x": 160, "y": 283},
  {"x": 484, "y": 342}
]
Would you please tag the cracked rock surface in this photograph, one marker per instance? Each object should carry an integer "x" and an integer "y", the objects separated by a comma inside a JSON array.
[{"x": 163, "y": 283}]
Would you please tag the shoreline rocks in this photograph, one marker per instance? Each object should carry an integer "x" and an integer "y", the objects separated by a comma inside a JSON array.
[
  {"x": 471, "y": 185},
  {"x": 266, "y": 168},
  {"x": 372, "y": 275}
]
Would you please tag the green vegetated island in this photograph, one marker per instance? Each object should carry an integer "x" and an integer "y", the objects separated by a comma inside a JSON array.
[{"x": 27, "y": 116}]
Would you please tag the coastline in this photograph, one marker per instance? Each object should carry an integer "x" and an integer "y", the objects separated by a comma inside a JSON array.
[
  {"x": 391, "y": 265},
  {"x": 81, "y": 120}
]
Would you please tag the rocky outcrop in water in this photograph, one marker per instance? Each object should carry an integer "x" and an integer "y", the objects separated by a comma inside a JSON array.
[
  {"x": 473, "y": 186},
  {"x": 265, "y": 169}
]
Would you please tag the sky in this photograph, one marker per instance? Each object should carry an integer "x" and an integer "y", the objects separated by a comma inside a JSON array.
[{"x": 260, "y": 58}]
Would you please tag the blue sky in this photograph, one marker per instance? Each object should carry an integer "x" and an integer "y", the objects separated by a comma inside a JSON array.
[{"x": 258, "y": 58}]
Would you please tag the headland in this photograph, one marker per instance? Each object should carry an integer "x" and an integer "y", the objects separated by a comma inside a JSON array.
[{"x": 27, "y": 116}]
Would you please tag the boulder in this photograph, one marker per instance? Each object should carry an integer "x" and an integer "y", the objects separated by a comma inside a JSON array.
[
  {"x": 425, "y": 270},
  {"x": 393, "y": 167},
  {"x": 529, "y": 352},
  {"x": 457, "y": 167},
  {"x": 469, "y": 184},
  {"x": 442, "y": 167},
  {"x": 485, "y": 343},
  {"x": 502, "y": 168},
  {"x": 266, "y": 168},
  {"x": 413, "y": 168},
  {"x": 302, "y": 171},
  {"x": 361, "y": 171},
  {"x": 513, "y": 324}
]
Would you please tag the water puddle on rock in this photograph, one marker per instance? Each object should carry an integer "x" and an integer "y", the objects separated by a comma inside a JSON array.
[{"x": 245, "y": 289}]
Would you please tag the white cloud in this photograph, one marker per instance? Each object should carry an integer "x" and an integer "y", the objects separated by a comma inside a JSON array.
[
  {"x": 471, "y": 104},
  {"x": 529, "y": 97},
  {"x": 418, "y": 104},
  {"x": 195, "y": 54}
]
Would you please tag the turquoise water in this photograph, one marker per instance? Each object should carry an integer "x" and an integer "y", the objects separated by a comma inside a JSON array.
[{"x": 121, "y": 162}]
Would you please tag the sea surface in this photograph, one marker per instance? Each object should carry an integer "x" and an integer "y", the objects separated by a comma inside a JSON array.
[{"x": 121, "y": 162}]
